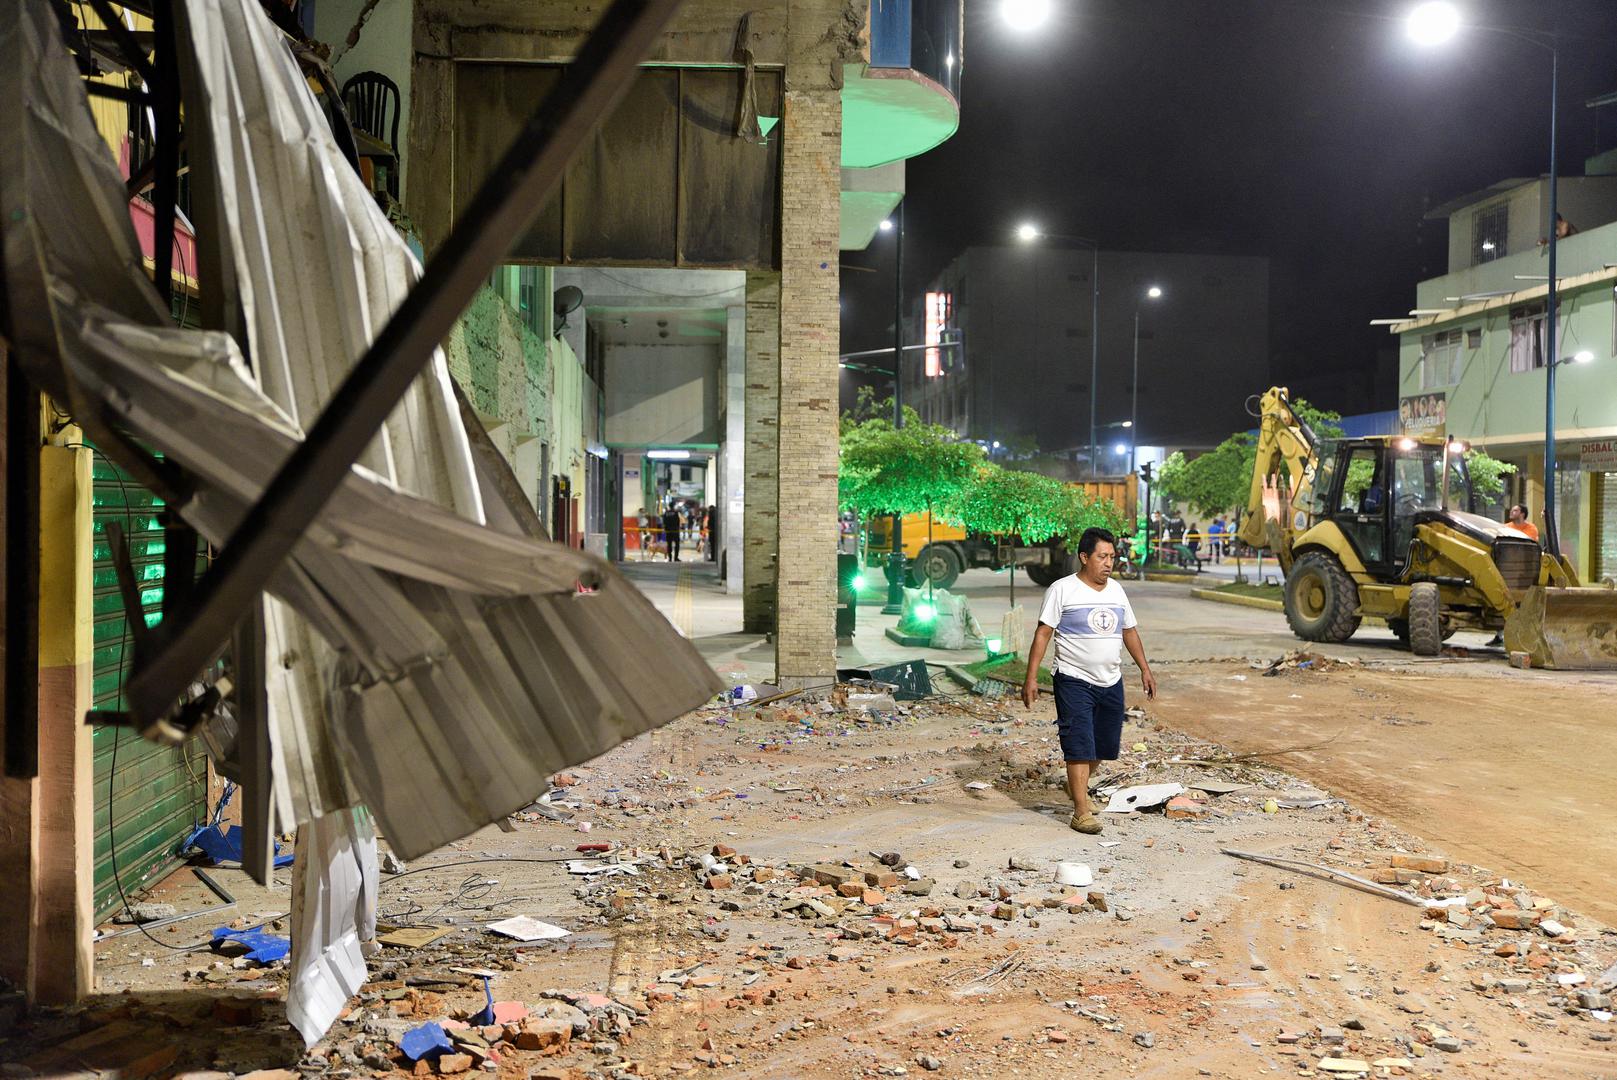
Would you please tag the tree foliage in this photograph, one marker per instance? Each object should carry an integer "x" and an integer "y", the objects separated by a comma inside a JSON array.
[
  {"x": 1487, "y": 474},
  {"x": 1036, "y": 508},
  {"x": 888, "y": 470}
]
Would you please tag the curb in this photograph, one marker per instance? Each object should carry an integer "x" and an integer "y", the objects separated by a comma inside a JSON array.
[
  {"x": 1241, "y": 601},
  {"x": 1263, "y": 604},
  {"x": 1169, "y": 576}
]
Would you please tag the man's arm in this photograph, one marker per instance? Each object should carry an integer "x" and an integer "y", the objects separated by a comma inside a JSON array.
[
  {"x": 1136, "y": 648},
  {"x": 1035, "y": 655}
]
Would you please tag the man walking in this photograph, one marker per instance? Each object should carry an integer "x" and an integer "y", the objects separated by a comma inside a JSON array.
[{"x": 1092, "y": 621}]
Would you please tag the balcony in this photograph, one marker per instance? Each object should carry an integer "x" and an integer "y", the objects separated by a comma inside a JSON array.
[{"x": 904, "y": 101}]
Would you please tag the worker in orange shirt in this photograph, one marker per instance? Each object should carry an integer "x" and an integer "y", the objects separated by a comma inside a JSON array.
[{"x": 1516, "y": 518}]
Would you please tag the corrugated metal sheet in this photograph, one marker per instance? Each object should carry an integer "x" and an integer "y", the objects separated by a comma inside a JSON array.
[{"x": 159, "y": 792}]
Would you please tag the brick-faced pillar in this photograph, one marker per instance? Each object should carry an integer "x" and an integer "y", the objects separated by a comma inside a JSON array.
[
  {"x": 811, "y": 175},
  {"x": 758, "y": 523},
  {"x": 47, "y": 842}
]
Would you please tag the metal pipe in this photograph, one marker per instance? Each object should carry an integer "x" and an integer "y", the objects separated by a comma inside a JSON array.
[
  {"x": 1552, "y": 536},
  {"x": 1094, "y": 349},
  {"x": 517, "y": 188},
  {"x": 897, "y": 564}
]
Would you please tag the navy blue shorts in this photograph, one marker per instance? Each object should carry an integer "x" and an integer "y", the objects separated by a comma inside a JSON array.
[{"x": 1089, "y": 718}]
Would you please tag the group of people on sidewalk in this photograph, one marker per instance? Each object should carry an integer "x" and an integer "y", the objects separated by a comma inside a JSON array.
[{"x": 679, "y": 523}]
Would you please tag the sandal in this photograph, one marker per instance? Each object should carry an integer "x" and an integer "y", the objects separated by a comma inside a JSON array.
[{"x": 1089, "y": 823}]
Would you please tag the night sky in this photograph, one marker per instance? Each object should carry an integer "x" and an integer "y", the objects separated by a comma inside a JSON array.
[{"x": 1312, "y": 132}]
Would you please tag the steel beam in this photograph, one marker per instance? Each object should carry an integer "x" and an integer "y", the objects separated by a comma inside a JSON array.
[{"x": 514, "y": 193}]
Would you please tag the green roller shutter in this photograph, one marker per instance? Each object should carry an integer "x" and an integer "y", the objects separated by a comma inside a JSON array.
[
  {"x": 159, "y": 792},
  {"x": 1602, "y": 526}
]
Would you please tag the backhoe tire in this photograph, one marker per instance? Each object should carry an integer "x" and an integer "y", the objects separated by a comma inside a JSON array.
[
  {"x": 1321, "y": 601},
  {"x": 937, "y": 563},
  {"x": 1425, "y": 619}
]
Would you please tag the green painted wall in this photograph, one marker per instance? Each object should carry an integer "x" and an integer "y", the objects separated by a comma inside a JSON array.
[{"x": 501, "y": 364}]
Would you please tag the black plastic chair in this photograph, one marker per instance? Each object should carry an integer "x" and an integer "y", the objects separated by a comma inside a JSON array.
[{"x": 370, "y": 99}]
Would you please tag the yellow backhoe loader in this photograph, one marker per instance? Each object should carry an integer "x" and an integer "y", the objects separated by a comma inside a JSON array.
[{"x": 1365, "y": 527}]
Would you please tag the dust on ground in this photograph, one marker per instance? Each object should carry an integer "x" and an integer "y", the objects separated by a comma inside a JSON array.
[{"x": 807, "y": 889}]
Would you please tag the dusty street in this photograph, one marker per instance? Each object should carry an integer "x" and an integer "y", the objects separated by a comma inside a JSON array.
[{"x": 795, "y": 951}]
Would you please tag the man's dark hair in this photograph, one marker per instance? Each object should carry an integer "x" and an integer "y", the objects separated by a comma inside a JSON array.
[{"x": 1093, "y": 536}]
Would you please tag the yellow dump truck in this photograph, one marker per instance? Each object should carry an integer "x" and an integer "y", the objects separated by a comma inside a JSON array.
[{"x": 938, "y": 551}]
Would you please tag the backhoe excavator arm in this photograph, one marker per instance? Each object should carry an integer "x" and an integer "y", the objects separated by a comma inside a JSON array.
[{"x": 1283, "y": 438}]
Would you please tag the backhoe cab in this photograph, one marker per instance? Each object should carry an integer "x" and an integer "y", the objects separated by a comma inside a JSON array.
[{"x": 1374, "y": 527}]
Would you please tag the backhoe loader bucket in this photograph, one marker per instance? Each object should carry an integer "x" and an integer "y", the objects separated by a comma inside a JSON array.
[{"x": 1567, "y": 629}]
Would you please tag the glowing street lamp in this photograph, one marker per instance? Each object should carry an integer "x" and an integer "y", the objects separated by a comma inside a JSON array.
[
  {"x": 1027, "y": 232},
  {"x": 1433, "y": 23},
  {"x": 886, "y": 224},
  {"x": 1025, "y": 15}
]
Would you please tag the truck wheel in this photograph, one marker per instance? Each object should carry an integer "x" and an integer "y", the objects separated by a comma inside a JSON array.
[
  {"x": 1042, "y": 575},
  {"x": 1047, "y": 574},
  {"x": 1425, "y": 619},
  {"x": 1321, "y": 601},
  {"x": 936, "y": 563}
]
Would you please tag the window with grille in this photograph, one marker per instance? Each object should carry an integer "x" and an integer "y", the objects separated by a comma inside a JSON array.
[
  {"x": 1489, "y": 227},
  {"x": 1440, "y": 359}
]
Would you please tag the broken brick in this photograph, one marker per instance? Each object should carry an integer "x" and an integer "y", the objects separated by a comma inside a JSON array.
[{"x": 1426, "y": 864}]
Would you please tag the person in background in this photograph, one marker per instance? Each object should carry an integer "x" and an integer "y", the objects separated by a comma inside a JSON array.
[
  {"x": 710, "y": 527},
  {"x": 1516, "y": 518},
  {"x": 671, "y": 529},
  {"x": 1215, "y": 539},
  {"x": 1193, "y": 540}
]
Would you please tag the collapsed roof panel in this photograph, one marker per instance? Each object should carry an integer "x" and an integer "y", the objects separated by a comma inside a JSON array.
[{"x": 456, "y": 666}]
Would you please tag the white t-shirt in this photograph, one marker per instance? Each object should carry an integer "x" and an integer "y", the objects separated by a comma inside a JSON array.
[{"x": 1089, "y": 625}]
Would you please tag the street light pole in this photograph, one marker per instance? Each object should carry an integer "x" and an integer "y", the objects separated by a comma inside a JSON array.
[
  {"x": 1154, "y": 292},
  {"x": 1434, "y": 22},
  {"x": 897, "y": 564},
  {"x": 1134, "y": 396},
  {"x": 1028, "y": 233},
  {"x": 1094, "y": 346},
  {"x": 1552, "y": 535}
]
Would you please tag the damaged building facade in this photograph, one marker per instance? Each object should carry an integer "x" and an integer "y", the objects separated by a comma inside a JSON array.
[{"x": 707, "y": 210}]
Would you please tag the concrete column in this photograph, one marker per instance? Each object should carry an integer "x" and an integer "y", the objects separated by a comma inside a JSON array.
[
  {"x": 732, "y": 500},
  {"x": 761, "y": 409},
  {"x": 47, "y": 845},
  {"x": 805, "y": 642}
]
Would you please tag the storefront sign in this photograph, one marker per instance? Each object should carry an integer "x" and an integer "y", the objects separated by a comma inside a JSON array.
[
  {"x": 1424, "y": 414},
  {"x": 937, "y": 319},
  {"x": 1599, "y": 455}
]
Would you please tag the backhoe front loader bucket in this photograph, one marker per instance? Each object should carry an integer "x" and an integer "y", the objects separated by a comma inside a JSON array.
[{"x": 1566, "y": 629}]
